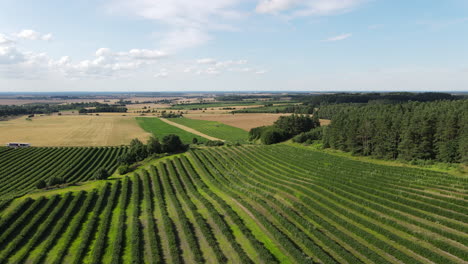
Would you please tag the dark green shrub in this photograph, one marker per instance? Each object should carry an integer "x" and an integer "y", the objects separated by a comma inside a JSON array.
[
  {"x": 214, "y": 143},
  {"x": 41, "y": 184},
  {"x": 101, "y": 174}
]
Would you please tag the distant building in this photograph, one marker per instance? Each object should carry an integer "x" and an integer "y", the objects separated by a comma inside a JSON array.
[{"x": 18, "y": 145}]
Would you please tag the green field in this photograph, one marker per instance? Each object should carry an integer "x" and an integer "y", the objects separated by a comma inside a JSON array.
[
  {"x": 223, "y": 104},
  {"x": 214, "y": 129},
  {"x": 160, "y": 129},
  {"x": 250, "y": 204},
  {"x": 22, "y": 168}
]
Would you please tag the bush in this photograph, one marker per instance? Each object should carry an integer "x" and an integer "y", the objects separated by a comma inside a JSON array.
[
  {"x": 214, "y": 143},
  {"x": 194, "y": 141},
  {"x": 101, "y": 174},
  {"x": 172, "y": 144},
  {"x": 124, "y": 169},
  {"x": 41, "y": 184},
  {"x": 153, "y": 146},
  {"x": 273, "y": 136},
  {"x": 54, "y": 181},
  {"x": 307, "y": 137}
]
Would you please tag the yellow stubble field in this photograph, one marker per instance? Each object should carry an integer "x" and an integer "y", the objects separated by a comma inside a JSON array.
[{"x": 72, "y": 130}]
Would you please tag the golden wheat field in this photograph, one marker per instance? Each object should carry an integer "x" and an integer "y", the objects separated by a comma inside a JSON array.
[{"x": 72, "y": 130}]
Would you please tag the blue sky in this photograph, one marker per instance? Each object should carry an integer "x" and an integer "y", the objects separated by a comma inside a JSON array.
[{"x": 233, "y": 45}]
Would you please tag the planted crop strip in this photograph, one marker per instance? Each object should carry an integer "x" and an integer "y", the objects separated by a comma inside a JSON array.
[
  {"x": 136, "y": 235},
  {"x": 220, "y": 223},
  {"x": 172, "y": 243},
  {"x": 294, "y": 233},
  {"x": 154, "y": 246},
  {"x": 43, "y": 228},
  {"x": 100, "y": 242},
  {"x": 362, "y": 249},
  {"x": 199, "y": 220},
  {"x": 334, "y": 248},
  {"x": 27, "y": 183},
  {"x": 13, "y": 216},
  {"x": 118, "y": 244},
  {"x": 226, "y": 223},
  {"x": 194, "y": 177},
  {"x": 263, "y": 254},
  {"x": 91, "y": 226},
  {"x": 275, "y": 167},
  {"x": 387, "y": 202},
  {"x": 74, "y": 228},
  {"x": 17, "y": 224},
  {"x": 23, "y": 235},
  {"x": 21, "y": 172},
  {"x": 106, "y": 154},
  {"x": 59, "y": 227},
  {"x": 286, "y": 243},
  {"x": 398, "y": 215},
  {"x": 184, "y": 223},
  {"x": 26, "y": 166}
]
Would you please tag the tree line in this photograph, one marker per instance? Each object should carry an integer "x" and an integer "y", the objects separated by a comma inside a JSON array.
[
  {"x": 284, "y": 128},
  {"x": 409, "y": 131},
  {"x": 31, "y": 109}
]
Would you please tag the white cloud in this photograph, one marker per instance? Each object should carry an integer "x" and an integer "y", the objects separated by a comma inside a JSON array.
[
  {"x": 188, "y": 22},
  {"x": 4, "y": 41},
  {"x": 183, "y": 38},
  {"x": 206, "y": 61},
  {"x": 47, "y": 37},
  {"x": 144, "y": 54},
  {"x": 294, "y": 8},
  {"x": 339, "y": 37},
  {"x": 33, "y": 35},
  {"x": 261, "y": 72},
  {"x": 162, "y": 74},
  {"x": 10, "y": 55}
]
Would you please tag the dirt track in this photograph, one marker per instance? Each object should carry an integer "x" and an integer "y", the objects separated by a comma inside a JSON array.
[{"x": 191, "y": 130}]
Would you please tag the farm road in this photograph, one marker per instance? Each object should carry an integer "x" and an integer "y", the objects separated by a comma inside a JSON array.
[{"x": 188, "y": 129}]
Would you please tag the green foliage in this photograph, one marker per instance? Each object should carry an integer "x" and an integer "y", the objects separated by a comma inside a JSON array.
[
  {"x": 410, "y": 131},
  {"x": 214, "y": 143},
  {"x": 296, "y": 124},
  {"x": 41, "y": 184},
  {"x": 101, "y": 174},
  {"x": 54, "y": 180},
  {"x": 124, "y": 169},
  {"x": 161, "y": 129},
  {"x": 250, "y": 204},
  {"x": 284, "y": 128},
  {"x": 273, "y": 135},
  {"x": 172, "y": 144},
  {"x": 153, "y": 146},
  {"x": 308, "y": 137},
  {"x": 214, "y": 129},
  {"x": 22, "y": 169}
]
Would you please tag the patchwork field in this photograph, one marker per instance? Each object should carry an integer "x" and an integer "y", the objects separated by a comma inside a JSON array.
[
  {"x": 214, "y": 129},
  {"x": 21, "y": 169},
  {"x": 160, "y": 129},
  {"x": 251, "y": 204},
  {"x": 75, "y": 130},
  {"x": 243, "y": 121}
]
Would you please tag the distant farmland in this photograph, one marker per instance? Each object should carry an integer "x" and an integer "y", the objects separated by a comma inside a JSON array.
[
  {"x": 72, "y": 130},
  {"x": 252, "y": 204},
  {"x": 160, "y": 129},
  {"x": 214, "y": 129},
  {"x": 23, "y": 168}
]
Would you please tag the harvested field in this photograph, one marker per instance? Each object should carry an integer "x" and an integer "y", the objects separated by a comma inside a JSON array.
[
  {"x": 244, "y": 121},
  {"x": 73, "y": 130}
]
